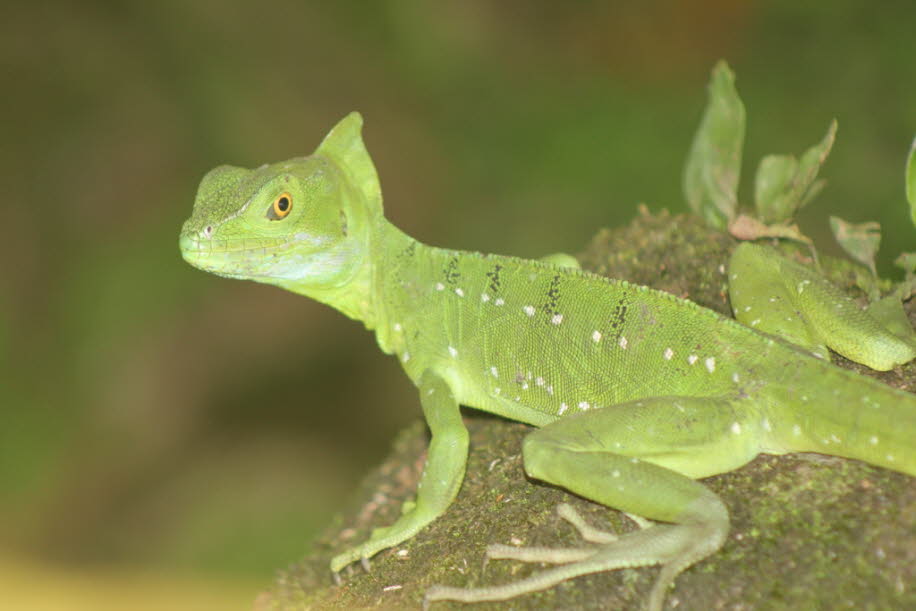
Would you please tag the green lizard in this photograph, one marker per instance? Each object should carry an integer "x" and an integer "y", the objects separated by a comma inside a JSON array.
[{"x": 637, "y": 393}]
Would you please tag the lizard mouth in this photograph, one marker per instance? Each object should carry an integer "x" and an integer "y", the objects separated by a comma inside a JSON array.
[
  {"x": 196, "y": 247},
  {"x": 234, "y": 258},
  {"x": 245, "y": 258}
]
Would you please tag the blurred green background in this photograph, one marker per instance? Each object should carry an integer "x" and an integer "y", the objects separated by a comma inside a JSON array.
[{"x": 169, "y": 438}]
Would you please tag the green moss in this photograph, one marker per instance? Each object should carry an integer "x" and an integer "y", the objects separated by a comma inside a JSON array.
[{"x": 808, "y": 531}]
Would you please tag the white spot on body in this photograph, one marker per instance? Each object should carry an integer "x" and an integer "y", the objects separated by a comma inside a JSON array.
[
  {"x": 529, "y": 310},
  {"x": 557, "y": 319},
  {"x": 766, "y": 425},
  {"x": 440, "y": 286},
  {"x": 563, "y": 408},
  {"x": 615, "y": 473},
  {"x": 550, "y": 390},
  {"x": 623, "y": 342},
  {"x": 890, "y": 458},
  {"x": 452, "y": 351},
  {"x": 524, "y": 385},
  {"x": 736, "y": 428},
  {"x": 692, "y": 359},
  {"x": 500, "y": 301},
  {"x": 796, "y": 430},
  {"x": 736, "y": 378},
  {"x": 494, "y": 372},
  {"x": 710, "y": 364},
  {"x": 459, "y": 292},
  {"x": 397, "y": 327},
  {"x": 539, "y": 381},
  {"x": 755, "y": 322},
  {"x": 669, "y": 353},
  {"x": 596, "y": 336},
  {"x": 484, "y": 297},
  {"x": 583, "y": 405},
  {"x": 873, "y": 440},
  {"x": 405, "y": 357}
]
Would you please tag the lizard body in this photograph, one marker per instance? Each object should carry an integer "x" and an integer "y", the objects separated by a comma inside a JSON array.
[{"x": 637, "y": 392}]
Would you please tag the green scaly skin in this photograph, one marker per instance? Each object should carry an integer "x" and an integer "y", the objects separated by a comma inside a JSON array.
[{"x": 637, "y": 393}]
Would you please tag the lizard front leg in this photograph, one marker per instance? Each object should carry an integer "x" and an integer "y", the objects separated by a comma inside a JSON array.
[
  {"x": 639, "y": 457},
  {"x": 442, "y": 475},
  {"x": 773, "y": 294}
]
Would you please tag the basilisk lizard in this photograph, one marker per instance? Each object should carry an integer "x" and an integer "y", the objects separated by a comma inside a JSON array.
[{"x": 637, "y": 393}]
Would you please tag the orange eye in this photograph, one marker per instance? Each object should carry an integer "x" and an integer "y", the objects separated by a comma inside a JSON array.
[{"x": 281, "y": 207}]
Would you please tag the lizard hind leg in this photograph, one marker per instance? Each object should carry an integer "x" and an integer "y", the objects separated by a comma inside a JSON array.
[{"x": 639, "y": 457}]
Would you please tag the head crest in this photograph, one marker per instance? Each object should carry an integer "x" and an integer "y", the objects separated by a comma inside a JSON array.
[{"x": 344, "y": 146}]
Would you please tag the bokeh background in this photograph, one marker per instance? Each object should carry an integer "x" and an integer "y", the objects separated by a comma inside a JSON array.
[{"x": 169, "y": 438}]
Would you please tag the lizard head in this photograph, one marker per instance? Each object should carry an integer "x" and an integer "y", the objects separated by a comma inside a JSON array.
[{"x": 304, "y": 223}]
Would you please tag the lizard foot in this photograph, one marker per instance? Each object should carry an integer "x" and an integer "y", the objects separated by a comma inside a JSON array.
[
  {"x": 672, "y": 546},
  {"x": 381, "y": 538}
]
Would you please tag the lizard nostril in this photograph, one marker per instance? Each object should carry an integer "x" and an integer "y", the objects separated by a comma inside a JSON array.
[{"x": 208, "y": 231}]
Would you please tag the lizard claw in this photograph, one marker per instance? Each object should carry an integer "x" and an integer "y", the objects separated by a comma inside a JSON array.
[{"x": 335, "y": 575}]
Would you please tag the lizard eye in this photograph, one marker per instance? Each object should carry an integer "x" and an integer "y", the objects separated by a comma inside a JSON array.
[{"x": 281, "y": 207}]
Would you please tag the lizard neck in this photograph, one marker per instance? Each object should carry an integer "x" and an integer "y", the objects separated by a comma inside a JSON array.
[
  {"x": 360, "y": 296},
  {"x": 392, "y": 250}
]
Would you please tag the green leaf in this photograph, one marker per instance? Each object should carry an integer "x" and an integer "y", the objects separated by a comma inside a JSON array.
[
  {"x": 889, "y": 312},
  {"x": 859, "y": 240},
  {"x": 816, "y": 187},
  {"x": 714, "y": 162},
  {"x": 911, "y": 180},
  {"x": 783, "y": 185},
  {"x": 812, "y": 160},
  {"x": 907, "y": 262},
  {"x": 771, "y": 186}
]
